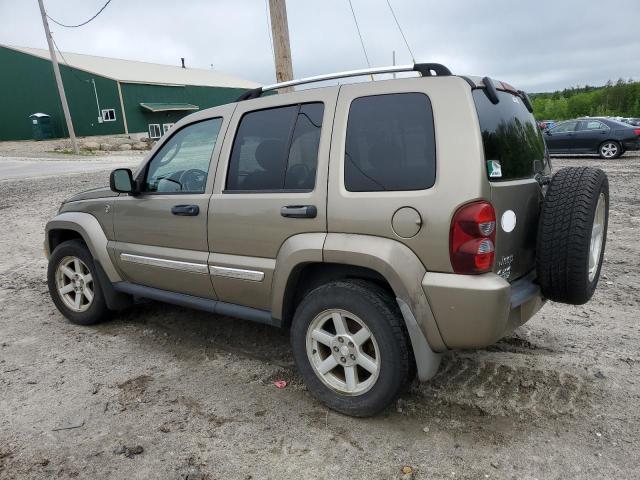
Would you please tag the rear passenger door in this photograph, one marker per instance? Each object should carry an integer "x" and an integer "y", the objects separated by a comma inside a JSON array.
[
  {"x": 271, "y": 185},
  {"x": 590, "y": 134}
]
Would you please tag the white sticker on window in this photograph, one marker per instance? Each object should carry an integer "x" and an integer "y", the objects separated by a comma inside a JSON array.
[{"x": 494, "y": 168}]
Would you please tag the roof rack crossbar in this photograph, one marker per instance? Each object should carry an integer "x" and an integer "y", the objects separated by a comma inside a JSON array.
[{"x": 425, "y": 69}]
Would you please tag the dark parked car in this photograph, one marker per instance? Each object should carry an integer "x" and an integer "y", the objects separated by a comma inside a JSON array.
[{"x": 602, "y": 136}]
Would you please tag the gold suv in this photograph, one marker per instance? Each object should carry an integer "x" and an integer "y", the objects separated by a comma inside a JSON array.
[{"x": 382, "y": 223}]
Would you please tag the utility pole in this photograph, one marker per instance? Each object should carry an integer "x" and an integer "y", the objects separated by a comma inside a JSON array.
[
  {"x": 56, "y": 72},
  {"x": 281, "y": 46}
]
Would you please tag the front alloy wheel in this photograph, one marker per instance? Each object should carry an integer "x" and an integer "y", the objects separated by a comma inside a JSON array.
[{"x": 75, "y": 284}]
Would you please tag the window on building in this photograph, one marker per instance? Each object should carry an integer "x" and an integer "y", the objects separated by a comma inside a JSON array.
[
  {"x": 276, "y": 149},
  {"x": 182, "y": 164},
  {"x": 166, "y": 127},
  {"x": 108, "y": 115},
  {"x": 390, "y": 143},
  {"x": 154, "y": 130}
]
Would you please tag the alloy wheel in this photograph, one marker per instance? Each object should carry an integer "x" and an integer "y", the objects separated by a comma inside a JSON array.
[
  {"x": 597, "y": 236},
  {"x": 609, "y": 150},
  {"x": 75, "y": 284},
  {"x": 343, "y": 352}
]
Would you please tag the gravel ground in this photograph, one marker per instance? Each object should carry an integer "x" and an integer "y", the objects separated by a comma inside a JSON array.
[{"x": 167, "y": 393}]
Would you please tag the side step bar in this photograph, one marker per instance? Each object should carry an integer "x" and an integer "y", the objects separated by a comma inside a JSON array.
[{"x": 212, "y": 306}]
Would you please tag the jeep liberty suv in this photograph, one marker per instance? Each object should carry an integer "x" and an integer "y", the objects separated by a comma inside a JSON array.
[{"x": 382, "y": 223}]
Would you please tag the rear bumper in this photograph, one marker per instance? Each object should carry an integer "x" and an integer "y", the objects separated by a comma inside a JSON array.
[
  {"x": 631, "y": 145},
  {"x": 474, "y": 311}
]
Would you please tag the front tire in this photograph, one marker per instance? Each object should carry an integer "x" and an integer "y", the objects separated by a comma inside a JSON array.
[
  {"x": 351, "y": 347},
  {"x": 609, "y": 150},
  {"x": 74, "y": 285}
]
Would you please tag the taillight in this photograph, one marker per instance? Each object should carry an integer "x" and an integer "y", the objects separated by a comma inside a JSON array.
[
  {"x": 637, "y": 131},
  {"x": 472, "y": 238}
]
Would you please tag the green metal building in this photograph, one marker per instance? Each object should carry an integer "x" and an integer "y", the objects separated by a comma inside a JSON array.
[{"x": 105, "y": 95}]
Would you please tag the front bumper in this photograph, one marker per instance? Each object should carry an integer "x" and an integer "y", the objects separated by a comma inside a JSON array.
[{"x": 474, "y": 311}]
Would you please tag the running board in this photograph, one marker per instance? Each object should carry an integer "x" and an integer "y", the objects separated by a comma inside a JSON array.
[{"x": 206, "y": 304}]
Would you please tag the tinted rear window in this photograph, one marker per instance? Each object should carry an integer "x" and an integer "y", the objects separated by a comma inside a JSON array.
[
  {"x": 390, "y": 143},
  {"x": 513, "y": 144}
]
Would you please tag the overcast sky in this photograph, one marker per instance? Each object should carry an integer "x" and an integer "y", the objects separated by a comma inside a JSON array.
[{"x": 538, "y": 45}]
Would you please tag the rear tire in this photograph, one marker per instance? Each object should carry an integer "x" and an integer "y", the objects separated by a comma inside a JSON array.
[
  {"x": 74, "y": 284},
  {"x": 354, "y": 377},
  {"x": 572, "y": 234},
  {"x": 609, "y": 150}
]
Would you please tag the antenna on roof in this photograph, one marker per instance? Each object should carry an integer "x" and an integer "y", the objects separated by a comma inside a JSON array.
[{"x": 182, "y": 60}]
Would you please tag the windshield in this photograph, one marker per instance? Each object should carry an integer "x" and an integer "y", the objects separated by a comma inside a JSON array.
[{"x": 513, "y": 144}]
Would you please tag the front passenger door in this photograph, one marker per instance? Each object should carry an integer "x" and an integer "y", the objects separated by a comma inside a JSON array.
[
  {"x": 561, "y": 138},
  {"x": 161, "y": 233}
]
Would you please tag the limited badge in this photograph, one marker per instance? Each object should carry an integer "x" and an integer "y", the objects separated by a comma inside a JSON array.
[{"x": 494, "y": 168}]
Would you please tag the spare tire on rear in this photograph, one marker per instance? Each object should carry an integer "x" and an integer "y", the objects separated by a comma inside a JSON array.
[{"x": 572, "y": 234}]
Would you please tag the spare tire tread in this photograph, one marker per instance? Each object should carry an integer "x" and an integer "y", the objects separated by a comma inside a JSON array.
[{"x": 564, "y": 234}]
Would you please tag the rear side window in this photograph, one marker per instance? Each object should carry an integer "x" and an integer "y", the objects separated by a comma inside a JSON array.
[
  {"x": 592, "y": 125},
  {"x": 390, "y": 143},
  {"x": 513, "y": 144},
  {"x": 276, "y": 149}
]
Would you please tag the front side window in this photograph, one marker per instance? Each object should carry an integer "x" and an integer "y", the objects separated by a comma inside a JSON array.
[
  {"x": 390, "y": 143},
  {"x": 182, "y": 164},
  {"x": 564, "y": 127},
  {"x": 276, "y": 149}
]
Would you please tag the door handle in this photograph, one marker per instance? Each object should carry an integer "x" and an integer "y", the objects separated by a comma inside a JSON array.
[
  {"x": 299, "y": 211},
  {"x": 186, "y": 210}
]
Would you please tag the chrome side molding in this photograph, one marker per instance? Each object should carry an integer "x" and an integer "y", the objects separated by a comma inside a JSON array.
[
  {"x": 164, "y": 263},
  {"x": 238, "y": 273}
]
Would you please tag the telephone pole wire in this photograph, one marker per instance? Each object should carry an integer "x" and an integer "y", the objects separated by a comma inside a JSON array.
[{"x": 56, "y": 72}]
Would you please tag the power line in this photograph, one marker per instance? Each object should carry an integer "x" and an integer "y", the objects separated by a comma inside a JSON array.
[
  {"x": 401, "y": 32},
  {"x": 266, "y": 13},
  {"x": 83, "y": 23},
  {"x": 64, "y": 60},
  {"x": 360, "y": 35}
]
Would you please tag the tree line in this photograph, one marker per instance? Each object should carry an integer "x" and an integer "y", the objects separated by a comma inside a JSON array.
[{"x": 621, "y": 98}]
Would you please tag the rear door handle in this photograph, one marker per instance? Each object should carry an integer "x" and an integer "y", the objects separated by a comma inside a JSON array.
[
  {"x": 299, "y": 211},
  {"x": 186, "y": 210}
]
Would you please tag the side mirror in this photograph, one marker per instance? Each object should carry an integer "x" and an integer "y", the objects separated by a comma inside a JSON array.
[{"x": 121, "y": 181}]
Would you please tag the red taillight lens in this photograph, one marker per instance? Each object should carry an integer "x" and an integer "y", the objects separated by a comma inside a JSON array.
[
  {"x": 472, "y": 238},
  {"x": 637, "y": 131}
]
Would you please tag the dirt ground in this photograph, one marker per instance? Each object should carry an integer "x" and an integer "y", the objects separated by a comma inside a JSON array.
[{"x": 557, "y": 399}]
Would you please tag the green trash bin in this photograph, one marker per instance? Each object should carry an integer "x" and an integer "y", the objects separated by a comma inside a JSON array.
[{"x": 41, "y": 126}]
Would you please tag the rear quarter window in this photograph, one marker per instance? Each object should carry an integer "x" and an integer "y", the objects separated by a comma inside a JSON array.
[
  {"x": 390, "y": 143},
  {"x": 513, "y": 144}
]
